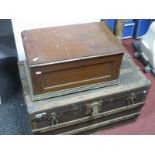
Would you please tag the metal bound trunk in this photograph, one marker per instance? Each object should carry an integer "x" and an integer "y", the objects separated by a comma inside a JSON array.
[
  {"x": 89, "y": 110},
  {"x": 67, "y": 59}
]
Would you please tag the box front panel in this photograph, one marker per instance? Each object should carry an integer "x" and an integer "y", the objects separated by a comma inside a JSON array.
[{"x": 75, "y": 74}]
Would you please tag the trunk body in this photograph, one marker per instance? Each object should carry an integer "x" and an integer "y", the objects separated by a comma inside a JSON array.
[{"x": 92, "y": 110}]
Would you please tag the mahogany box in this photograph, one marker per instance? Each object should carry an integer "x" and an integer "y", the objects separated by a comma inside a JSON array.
[{"x": 67, "y": 59}]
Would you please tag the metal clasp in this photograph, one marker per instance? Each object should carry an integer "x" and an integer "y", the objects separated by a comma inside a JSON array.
[
  {"x": 131, "y": 99},
  {"x": 53, "y": 119},
  {"x": 40, "y": 117},
  {"x": 94, "y": 108}
]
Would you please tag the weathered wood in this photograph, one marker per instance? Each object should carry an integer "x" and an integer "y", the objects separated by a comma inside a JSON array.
[
  {"x": 118, "y": 29},
  {"x": 77, "y": 111}
]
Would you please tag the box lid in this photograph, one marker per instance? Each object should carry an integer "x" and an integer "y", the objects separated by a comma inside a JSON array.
[{"x": 67, "y": 43}]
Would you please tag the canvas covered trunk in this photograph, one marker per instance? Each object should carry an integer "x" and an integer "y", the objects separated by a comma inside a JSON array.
[{"x": 83, "y": 112}]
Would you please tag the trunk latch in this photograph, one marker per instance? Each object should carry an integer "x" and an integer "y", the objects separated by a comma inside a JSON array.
[
  {"x": 53, "y": 119},
  {"x": 131, "y": 98},
  {"x": 94, "y": 108},
  {"x": 40, "y": 117}
]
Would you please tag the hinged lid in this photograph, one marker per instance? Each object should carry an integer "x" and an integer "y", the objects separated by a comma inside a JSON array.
[{"x": 67, "y": 43}]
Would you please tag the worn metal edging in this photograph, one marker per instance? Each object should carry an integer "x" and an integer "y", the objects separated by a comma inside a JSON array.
[{"x": 91, "y": 127}]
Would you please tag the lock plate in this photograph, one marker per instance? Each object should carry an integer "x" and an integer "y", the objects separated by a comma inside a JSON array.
[
  {"x": 131, "y": 99},
  {"x": 94, "y": 108},
  {"x": 53, "y": 119},
  {"x": 40, "y": 117}
]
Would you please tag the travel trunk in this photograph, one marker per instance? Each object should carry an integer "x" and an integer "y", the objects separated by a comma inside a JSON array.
[
  {"x": 87, "y": 111},
  {"x": 68, "y": 59}
]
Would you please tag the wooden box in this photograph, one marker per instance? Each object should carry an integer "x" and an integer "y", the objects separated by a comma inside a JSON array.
[
  {"x": 90, "y": 111},
  {"x": 66, "y": 59}
]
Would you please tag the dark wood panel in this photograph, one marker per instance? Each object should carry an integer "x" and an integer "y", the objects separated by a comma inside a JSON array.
[
  {"x": 74, "y": 74},
  {"x": 80, "y": 75}
]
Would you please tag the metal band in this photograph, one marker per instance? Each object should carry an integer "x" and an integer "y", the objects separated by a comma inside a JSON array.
[{"x": 101, "y": 124}]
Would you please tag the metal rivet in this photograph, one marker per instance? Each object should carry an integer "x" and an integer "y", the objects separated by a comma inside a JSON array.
[
  {"x": 144, "y": 91},
  {"x": 39, "y": 72},
  {"x": 35, "y": 59}
]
